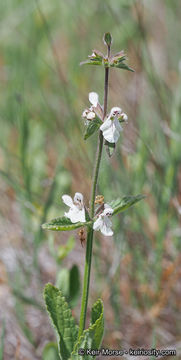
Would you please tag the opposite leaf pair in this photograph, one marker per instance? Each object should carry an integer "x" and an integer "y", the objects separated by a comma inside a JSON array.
[
  {"x": 101, "y": 221},
  {"x": 76, "y": 214},
  {"x": 117, "y": 60}
]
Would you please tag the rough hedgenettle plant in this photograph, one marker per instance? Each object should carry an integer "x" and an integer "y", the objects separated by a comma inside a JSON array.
[{"x": 73, "y": 340}]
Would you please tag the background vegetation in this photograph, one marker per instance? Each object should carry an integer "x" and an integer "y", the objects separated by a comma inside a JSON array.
[{"x": 43, "y": 92}]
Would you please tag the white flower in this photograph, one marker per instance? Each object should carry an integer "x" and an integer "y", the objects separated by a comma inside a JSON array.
[
  {"x": 93, "y": 98},
  {"x": 95, "y": 108},
  {"x": 111, "y": 127},
  {"x": 124, "y": 117},
  {"x": 88, "y": 114},
  {"x": 103, "y": 223},
  {"x": 76, "y": 212}
]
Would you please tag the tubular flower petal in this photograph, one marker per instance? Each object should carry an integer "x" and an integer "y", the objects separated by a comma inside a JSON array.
[
  {"x": 93, "y": 98},
  {"x": 111, "y": 127},
  {"x": 103, "y": 223},
  {"x": 95, "y": 108},
  {"x": 76, "y": 212}
]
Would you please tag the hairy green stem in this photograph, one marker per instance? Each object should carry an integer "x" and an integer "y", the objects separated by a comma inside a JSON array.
[{"x": 90, "y": 233}]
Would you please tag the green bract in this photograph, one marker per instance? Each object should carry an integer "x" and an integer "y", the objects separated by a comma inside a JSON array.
[
  {"x": 93, "y": 126},
  {"x": 122, "y": 65},
  {"x": 117, "y": 60},
  {"x": 107, "y": 39}
]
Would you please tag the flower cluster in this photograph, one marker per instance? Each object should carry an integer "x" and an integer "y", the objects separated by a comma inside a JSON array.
[
  {"x": 76, "y": 213},
  {"x": 95, "y": 108},
  {"x": 111, "y": 127}
]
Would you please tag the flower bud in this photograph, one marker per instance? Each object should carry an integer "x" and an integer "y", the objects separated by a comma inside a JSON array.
[{"x": 107, "y": 38}]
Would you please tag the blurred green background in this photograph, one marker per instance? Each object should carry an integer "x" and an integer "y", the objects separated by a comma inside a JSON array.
[{"x": 43, "y": 92}]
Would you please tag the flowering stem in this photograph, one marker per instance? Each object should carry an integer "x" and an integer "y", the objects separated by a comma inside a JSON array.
[{"x": 90, "y": 232}]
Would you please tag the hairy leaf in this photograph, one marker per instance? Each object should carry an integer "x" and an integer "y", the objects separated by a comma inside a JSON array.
[
  {"x": 125, "y": 202},
  {"x": 62, "y": 319},
  {"x": 92, "y": 337},
  {"x": 63, "y": 224},
  {"x": 98, "y": 319}
]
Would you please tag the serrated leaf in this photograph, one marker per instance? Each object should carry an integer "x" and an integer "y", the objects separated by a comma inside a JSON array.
[
  {"x": 63, "y": 224},
  {"x": 97, "y": 316},
  {"x": 50, "y": 352},
  {"x": 62, "y": 319},
  {"x": 125, "y": 202},
  {"x": 93, "y": 126},
  {"x": 92, "y": 337},
  {"x": 96, "y": 311},
  {"x": 122, "y": 65}
]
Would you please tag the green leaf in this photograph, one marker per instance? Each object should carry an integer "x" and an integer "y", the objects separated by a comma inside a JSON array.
[
  {"x": 50, "y": 352},
  {"x": 98, "y": 319},
  {"x": 122, "y": 65},
  {"x": 62, "y": 319},
  {"x": 63, "y": 224},
  {"x": 92, "y": 337},
  {"x": 93, "y": 126},
  {"x": 124, "y": 203},
  {"x": 74, "y": 286}
]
